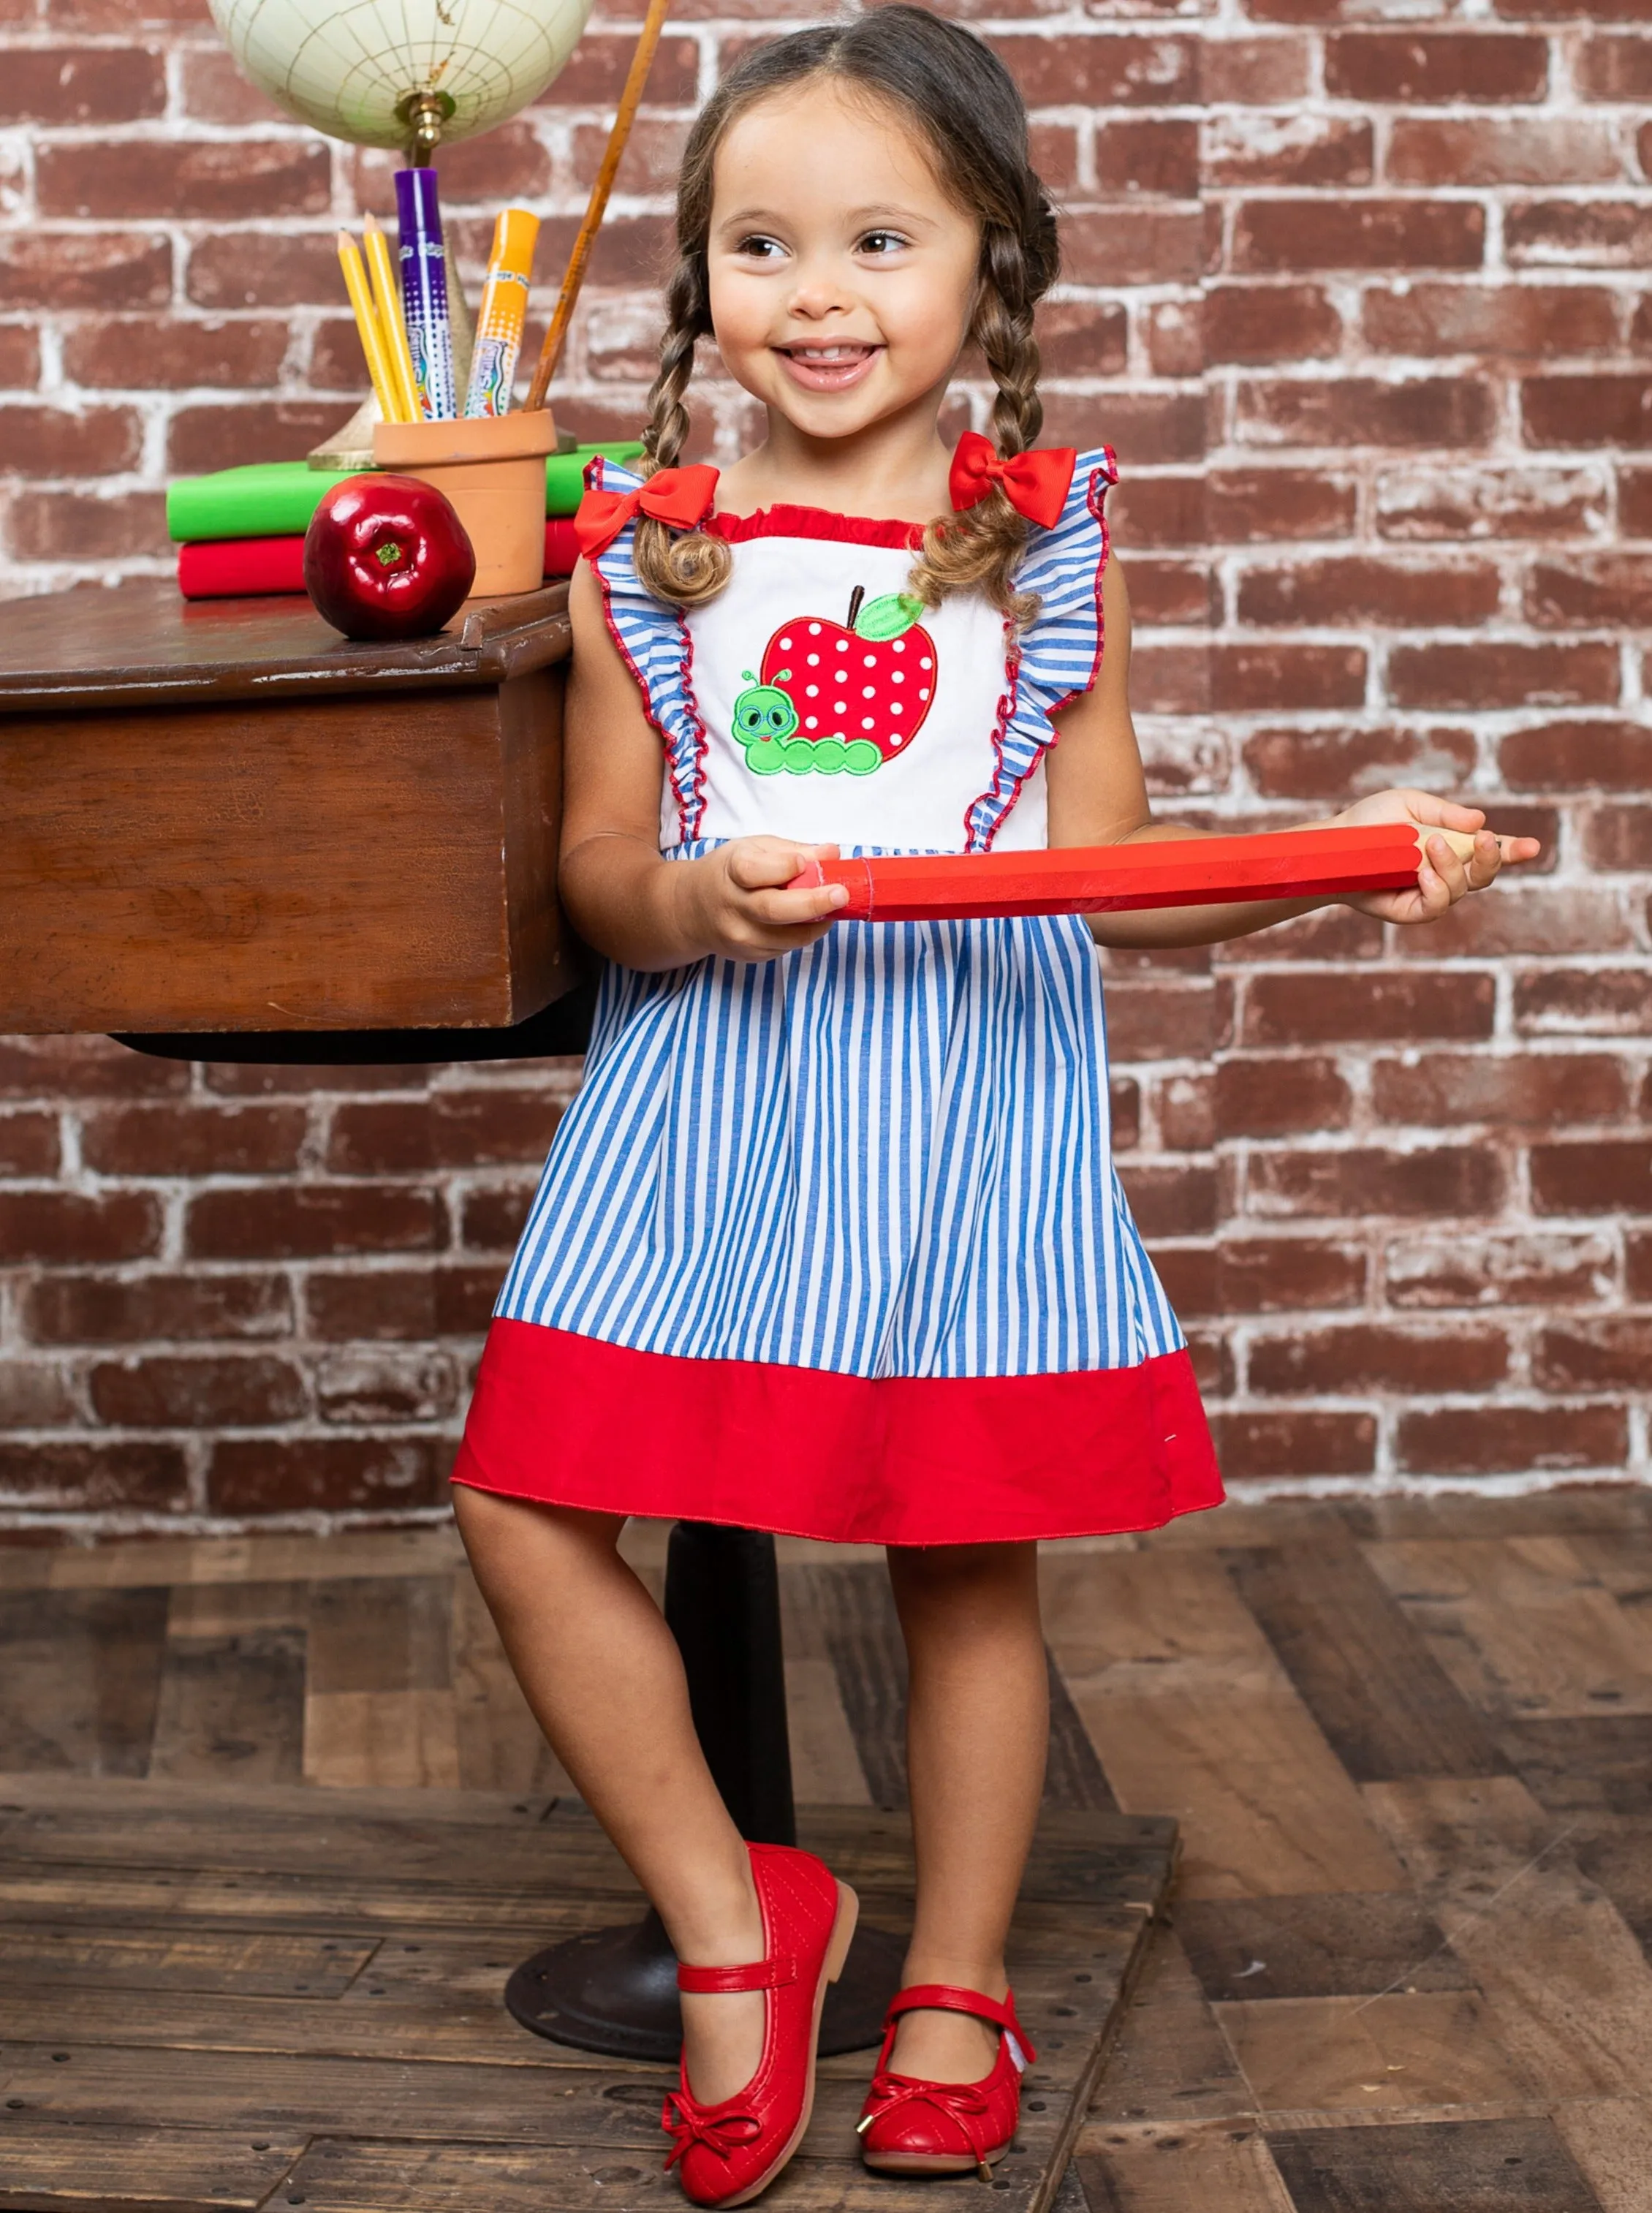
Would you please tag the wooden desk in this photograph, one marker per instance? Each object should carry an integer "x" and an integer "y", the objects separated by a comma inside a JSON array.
[{"x": 223, "y": 816}]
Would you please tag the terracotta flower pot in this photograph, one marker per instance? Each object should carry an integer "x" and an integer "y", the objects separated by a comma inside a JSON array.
[{"x": 492, "y": 468}]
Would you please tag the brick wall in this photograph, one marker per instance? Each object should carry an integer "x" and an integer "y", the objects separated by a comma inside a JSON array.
[{"x": 1359, "y": 295}]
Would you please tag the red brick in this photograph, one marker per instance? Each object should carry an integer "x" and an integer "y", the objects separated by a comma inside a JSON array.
[
  {"x": 52, "y": 442},
  {"x": 1502, "y": 150},
  {"x": 1269, "y": 679},
  {"x": 1252, "y": 72},
  {"x": 1491, "y": 318},
  {"x": 1331, "y": 933},
  {"x": 1579, "y": 756},
  {"x": 1188, "y": 1274},
  {"x": 1171, "y": 1200},
  {"x": 1519, "y": 917},
  {"x": 595, "y": 74},
  {"x": 1591, "y": 591},
  {"x": 250, "y": 1080},
  {"x": 1579, "y": 234},
  {"x": 20, "y": 359},
  {"x": 1508, "y": 819},
  {"x": 1253, "y": 506},
  {"x": 122, "y": 17},
  {"x": 1605, "y": 66},
  {"x": 1052, "y": 149},
  {"x": 379, "y": 1385},
  {"x": 1361, "y": 410},
  {"x": 33, "y": 1396},
  {"x": 29, "y": 1144},
  {"x": 1545, "y": 1268},
  {"x": 289, "y": 270},
  {"x": 1270, "y": 322},
  {"x": 176, "y": 1141},
  {"x": 1421, "y": 501},
  {"x": 94, "y": 1309},
  {"x": 200, "y": 439},
  {"x": 1134, "y": 244},
  {"x": 1584, "y": 1002},
  {"x": 1618, "y": 837},
  {"x": 207, "y": 1392},
  {"x": 68, "y": 526},
  {"x": 1161, "y": 1021},
  {"x": 249, "y": 179},
  {"x": 1298, "y": 148},
  {"x": 1587, "y": 410},
  {"x": 652, "y": 162},
  {"x": 1158, "y": 511},
  {"x": 1212, "y": 1359},
  {"x": 95, "y": 1477},
  {"x": 82, "y": 84},
  {"x": 1637, "y": 1269},
  {"x": 1083, "y": 338},
  {"x": 1166, "y": 593},
  {"x": 1536, "y": 1089},
  {"x": 1496, "y": 1440},
  {"x": 1146, "y": 427},
  {"x": 1254, "y": 1446},
  {"x": 265, "y": 1475},
  {"x": 54, "y": 1068},
  {"x": 1339, "y": 765},
  {"x": 1407, "y": 67},
  {"x": 153, "y": 353},
  {"x": 1635, "y": 501},
  {"x": 1170, "y": 679},
  {"x": 214, "y": 91},
  {"x": 1273, "y": 1096},
  {"x": 490, "y": 1218},
  {"x": 446, "y": 1130},
  {"x": 1293, "y": 235},
  {"x": 1359, "y": 589},
  {"x": 1307, "y": 1008},
  {"x": 1148, "y": 154},
  {"x": 65, "y": 1225},
  {"x": 1510, "y": 673},
  {"x": 60, "y": 270},
  {"x": 1175, "y": 331},
  {"x": 1363, "y": 1180},
  {"x": 1368, "y": 1357},
  {"x": 1610, "y": 1352},
  {"x": 1111, "y": 71},
  {"x": 1187, "y": 1112},
  {"x": 1604, "y": 1175},
  {"x": 306, "y": 1220},
  {"x": 1271, "y": 1275}
]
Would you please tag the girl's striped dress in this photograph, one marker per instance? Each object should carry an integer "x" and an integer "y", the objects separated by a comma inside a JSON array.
[{"x": 833, "y": 1244}]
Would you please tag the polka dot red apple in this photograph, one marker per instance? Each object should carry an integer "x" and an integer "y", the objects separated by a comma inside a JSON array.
[{"x": 858, "y": 692}]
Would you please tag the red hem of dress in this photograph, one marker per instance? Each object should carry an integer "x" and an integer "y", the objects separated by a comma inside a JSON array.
[
  {"x": 568, "y": 1420},
  {"x": 784, "y": 520}
]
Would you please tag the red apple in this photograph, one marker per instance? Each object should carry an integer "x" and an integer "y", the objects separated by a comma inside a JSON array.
[
  {"x": 386, "y": 557},
  {"x": 869, "y": 680}
]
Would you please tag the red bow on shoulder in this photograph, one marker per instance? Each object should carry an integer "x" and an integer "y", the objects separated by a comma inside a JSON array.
[
  {"x": 1035, "y": 484},
  {"x": 681, "y": 497}
]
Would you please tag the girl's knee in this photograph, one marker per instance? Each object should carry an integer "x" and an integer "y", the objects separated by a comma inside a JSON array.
[
  {"x": 937, "y": 1571},
  {"x": 498, "y": 1529}
]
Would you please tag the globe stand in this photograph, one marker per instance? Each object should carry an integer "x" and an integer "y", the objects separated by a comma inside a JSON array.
[{"x": 615, "y": 1990}]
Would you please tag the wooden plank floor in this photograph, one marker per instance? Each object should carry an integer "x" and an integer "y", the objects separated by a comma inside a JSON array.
[{"x": 1409, "y": 1745}]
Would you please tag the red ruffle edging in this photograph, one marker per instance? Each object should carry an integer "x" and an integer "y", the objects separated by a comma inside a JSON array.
[{"x": 573, "y": 1420}]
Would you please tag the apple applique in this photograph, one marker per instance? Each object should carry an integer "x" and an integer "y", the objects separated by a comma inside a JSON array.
[{"x": 857, "y": 692}]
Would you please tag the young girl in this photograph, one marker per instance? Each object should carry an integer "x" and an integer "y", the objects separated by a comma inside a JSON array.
[{"x": 830, "y": 1242}]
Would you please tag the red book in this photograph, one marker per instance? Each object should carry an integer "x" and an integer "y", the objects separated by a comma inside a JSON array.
[
  {"x": 1103, "y": 879},
  {"x": 231, "y": 568}
]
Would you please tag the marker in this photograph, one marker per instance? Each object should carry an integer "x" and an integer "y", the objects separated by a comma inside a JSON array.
[
  {"x": 366, "y": 329},
  {"x": 387, "y": 297},
  {"x": 425, "y": 293},
  {"x": 503, "y": 312}
]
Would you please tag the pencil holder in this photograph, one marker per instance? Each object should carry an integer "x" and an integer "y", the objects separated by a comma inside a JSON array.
[{"x": 492, "y": 468}]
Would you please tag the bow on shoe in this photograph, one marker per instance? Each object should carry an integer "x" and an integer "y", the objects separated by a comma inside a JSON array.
[
  {"x": 958, "y": 2102},
  {"x": 1035, "y": 484},
  {"x": 687, "y": 2124},
  {"x": 681, "y": 497}
]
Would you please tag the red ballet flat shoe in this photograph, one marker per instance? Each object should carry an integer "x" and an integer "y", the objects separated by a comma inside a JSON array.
[
  {"x": 908, "y": 2127},
  {"x": 727, "y": 2154}
]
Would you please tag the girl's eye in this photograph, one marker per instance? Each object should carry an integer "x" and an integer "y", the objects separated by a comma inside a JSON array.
[
  {"x": 881, "y": 241},
  {"x": 758, "y": 248}
]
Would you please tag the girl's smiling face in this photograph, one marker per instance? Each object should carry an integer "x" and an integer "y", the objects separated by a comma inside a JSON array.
[{"x": 842, "y": 275}]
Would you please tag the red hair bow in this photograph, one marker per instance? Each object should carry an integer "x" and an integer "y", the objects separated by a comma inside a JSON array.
[
  {"x": 681, "y": 497},
  {"x": 1036, "y": 484}
]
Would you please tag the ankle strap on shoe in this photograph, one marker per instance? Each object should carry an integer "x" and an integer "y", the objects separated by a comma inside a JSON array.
[
  {"x": 946, "y": 1997},
  {"x": 771, "y": 1974}
]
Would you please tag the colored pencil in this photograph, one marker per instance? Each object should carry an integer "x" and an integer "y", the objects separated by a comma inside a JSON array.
[
  {"x": 367, "y": 328},
  {"x": 386, "y": 298}
]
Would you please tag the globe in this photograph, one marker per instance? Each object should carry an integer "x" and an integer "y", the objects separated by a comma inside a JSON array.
[{"x": 371, "y": 71}]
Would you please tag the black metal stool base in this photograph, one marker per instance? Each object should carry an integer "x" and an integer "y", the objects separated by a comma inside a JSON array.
[{"x": 615, "y": 1990}]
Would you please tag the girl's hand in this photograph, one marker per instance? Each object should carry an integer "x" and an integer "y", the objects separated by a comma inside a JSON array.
[
  {"x": 1442, "y": 879},
  {"x": 734, "y": 903}
]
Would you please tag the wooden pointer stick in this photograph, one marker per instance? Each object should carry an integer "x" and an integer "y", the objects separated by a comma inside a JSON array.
[{"x": 557, "y": 336}]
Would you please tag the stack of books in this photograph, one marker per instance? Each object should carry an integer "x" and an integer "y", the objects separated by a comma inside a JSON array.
[{"x": 242, "y": 530}]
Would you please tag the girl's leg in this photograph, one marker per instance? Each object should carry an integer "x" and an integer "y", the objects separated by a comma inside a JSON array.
[
  {"x": 605, "y": 1679},
  {"x": 977, "y": 1731}
]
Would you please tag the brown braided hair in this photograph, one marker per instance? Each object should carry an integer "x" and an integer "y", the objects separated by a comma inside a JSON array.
[{"x": 965, "y": 104}]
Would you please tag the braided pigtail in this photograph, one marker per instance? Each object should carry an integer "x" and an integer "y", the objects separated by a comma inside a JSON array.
[{"x": 686, "y": 568}]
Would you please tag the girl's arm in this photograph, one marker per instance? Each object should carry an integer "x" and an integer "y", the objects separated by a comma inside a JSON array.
[
  {"x": 622, "y": 898},
  {"x": 1098, "y": 796}
]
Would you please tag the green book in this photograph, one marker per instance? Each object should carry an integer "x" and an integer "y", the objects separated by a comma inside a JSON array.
[{"x": 275, "y": 499}]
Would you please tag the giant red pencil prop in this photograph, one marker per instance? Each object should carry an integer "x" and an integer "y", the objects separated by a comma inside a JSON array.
[{"x": 1107, "y": 879}]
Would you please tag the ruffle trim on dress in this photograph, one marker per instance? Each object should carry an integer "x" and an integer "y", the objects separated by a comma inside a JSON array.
[{"x": 575, "y": 1421}]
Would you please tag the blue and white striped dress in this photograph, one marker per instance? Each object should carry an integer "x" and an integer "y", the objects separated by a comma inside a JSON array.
[{"x": 833, "y": 1243}]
